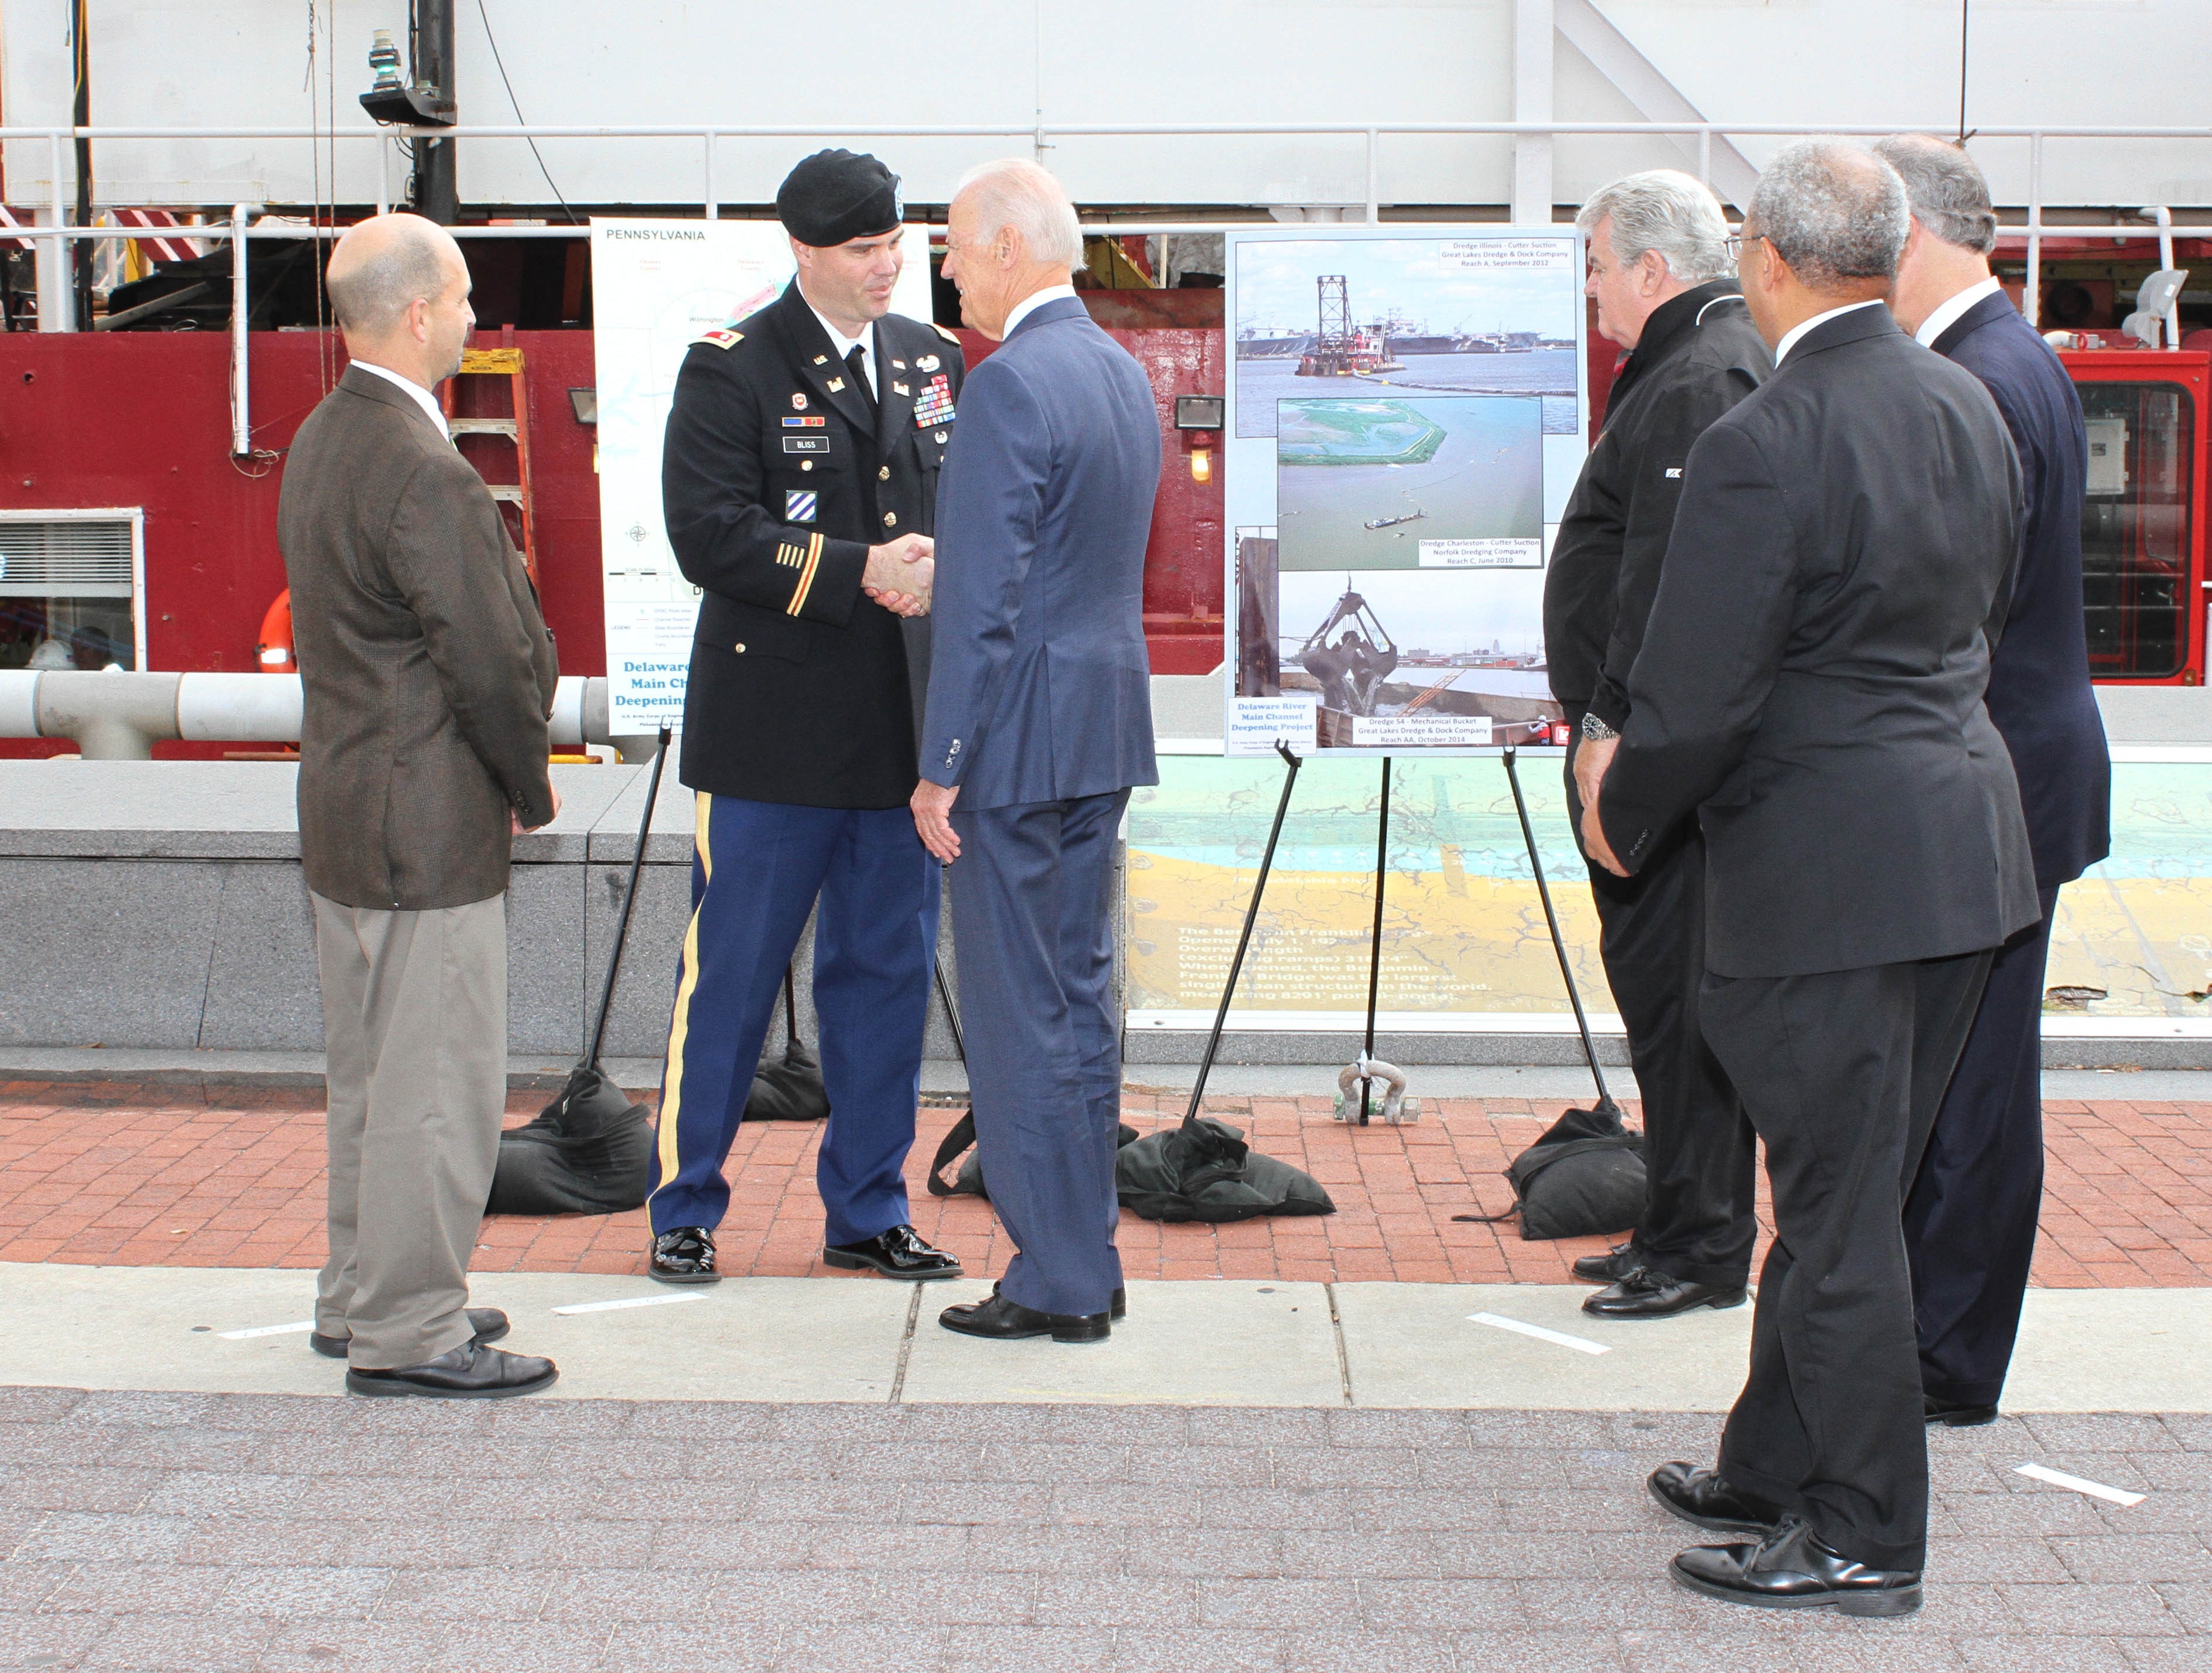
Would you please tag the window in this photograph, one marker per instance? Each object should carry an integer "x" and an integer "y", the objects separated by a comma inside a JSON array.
[
  {"x": 2135, "y": 529},
  {"x": 70, "y": 583}
]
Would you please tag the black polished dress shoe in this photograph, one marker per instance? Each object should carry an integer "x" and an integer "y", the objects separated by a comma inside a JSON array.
[
  {"x": 1119, "y": 1306},
  {"x": 1001, "y": 1320},
  {"x": 1698, "y": 1496},
  {"x": 1790, "y": 1569},
  {"x": 683, "y": 1256},
  {"x": 488, "y": 1323},
  {"x": 1648, "y": 1294},
  {"x": 897, "y": 1253},
  {"x": 471, "y": 1372},
  {"x": 1610, "y": 1268},
  {"x": 1955, "y": 1415}
]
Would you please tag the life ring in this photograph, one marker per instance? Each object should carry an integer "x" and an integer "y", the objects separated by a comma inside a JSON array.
[{"x": 273, "y": 653}]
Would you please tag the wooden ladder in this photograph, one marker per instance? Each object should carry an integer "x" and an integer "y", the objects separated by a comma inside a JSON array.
[{"x": 504, "y": 361}]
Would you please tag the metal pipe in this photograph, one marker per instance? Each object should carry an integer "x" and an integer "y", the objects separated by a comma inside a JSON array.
[
  {"x": 1374, "y": 176},
  {"x": 1705, "y": 157},
  {"x": 2171, "y": 320},
  {"x": 120, "y": 716},
  {"x": 56, "y": 302},
  {"x": 1090, "y": 130},
  {"x": 714, "y": 209},
  {"x": 241, "y": 418},
  {"x": 2031, "y": 293}
]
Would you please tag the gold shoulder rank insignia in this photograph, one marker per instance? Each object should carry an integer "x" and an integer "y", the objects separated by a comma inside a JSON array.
[
  {"x": 942, "y": 333},
  {"x": 724, "y": 339}
]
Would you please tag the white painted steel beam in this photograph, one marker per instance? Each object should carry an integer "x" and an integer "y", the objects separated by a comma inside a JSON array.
[
  {"x": 1645, "y": 86},
  {"x": 1532, "y": 28}
]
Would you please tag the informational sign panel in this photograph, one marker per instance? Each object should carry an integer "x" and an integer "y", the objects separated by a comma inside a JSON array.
[
  {"x": 656, "y": 286},
  {"x": 1406, "y": 416}
]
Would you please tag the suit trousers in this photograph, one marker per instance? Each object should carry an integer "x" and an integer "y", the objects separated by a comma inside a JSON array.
[
  {"x": 1842, "y": 1073},
  {"x": 1033, "y": 918},
  {"x": 757, "y": 869},
  {"x": 415, "y": 1035},
  {"x": 1970, "y": 1219},
  {"x": 1698, "y": 1149}
]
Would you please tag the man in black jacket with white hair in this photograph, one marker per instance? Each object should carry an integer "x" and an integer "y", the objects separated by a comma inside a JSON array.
[{"x": 1658, "y": 253}]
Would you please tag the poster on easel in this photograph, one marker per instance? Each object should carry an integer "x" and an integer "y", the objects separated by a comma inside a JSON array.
[
  {"x": 656, "y": 286},
  {"x": 1408, "y": 412}
]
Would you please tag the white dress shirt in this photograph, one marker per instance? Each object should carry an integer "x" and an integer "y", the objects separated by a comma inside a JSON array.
[
  {"x": 1031, "y": 303},
  {"x": 844, "y": 346},
  {"x": 1791, "y": 337},
  {"x": 423, "y": 397},
  {"x": 1947, "y": 314}
]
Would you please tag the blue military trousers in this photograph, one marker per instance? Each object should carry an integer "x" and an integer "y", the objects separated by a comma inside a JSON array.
[
  {"x": 757, "y": 868},
  {"x": 1033, "y": 918}
]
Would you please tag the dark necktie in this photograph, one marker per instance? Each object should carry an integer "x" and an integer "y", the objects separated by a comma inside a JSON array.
[{"x": 854, "y": 366}]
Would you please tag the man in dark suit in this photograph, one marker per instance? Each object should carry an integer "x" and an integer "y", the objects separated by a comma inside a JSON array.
[
  {"x": 429, "y": 676},
  {"x": 1810, "y": 686},
  {"x": 1658, "y": 247},
  {"x": 800, "y": 476},
  {"x": 1970, "y": 1220},
  {"x": 1039, "y": 722}
]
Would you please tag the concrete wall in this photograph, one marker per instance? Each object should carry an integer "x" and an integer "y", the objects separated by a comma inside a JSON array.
[{"x": 160, "y": 905}]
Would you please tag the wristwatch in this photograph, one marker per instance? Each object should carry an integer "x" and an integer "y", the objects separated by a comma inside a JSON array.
[{"x": 1596, "y": 731}]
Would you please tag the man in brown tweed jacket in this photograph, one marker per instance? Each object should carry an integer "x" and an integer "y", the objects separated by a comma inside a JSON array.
[{"x": 429, "y": 676}]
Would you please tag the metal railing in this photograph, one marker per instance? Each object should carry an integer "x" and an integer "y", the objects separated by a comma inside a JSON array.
[{"x": 55, "y": 299}]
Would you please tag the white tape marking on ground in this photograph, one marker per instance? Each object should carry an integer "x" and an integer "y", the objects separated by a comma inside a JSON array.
[
  {"x": 627, "y": 1301},
  {"x": 1579, "y": 1344},
  {"x": 2059, "y": 1478},
  {"x": 267, "y": 1330}
]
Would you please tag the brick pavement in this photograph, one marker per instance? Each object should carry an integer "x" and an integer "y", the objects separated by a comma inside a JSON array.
[
  {"x": 230, "y": 1534},
  {"x": 177, "y": 1176}
]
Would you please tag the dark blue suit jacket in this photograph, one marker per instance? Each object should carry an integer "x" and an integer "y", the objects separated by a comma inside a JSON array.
[
  {"x": 2039, "y": 694},
  {"x": 1039, "y": 685}
]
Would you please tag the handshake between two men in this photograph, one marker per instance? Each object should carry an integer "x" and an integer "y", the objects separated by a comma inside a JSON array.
[{"x": 902, "y": 573}]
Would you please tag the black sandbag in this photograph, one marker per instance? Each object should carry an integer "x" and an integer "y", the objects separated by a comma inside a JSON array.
[
  {"x": 968, "y": 1182},
  {"x": 1584, "y": 1177},
  {"x": 789, "y": 1090},
  {"x": 1203, "y": 1169},
  {"x": 588, "y": 1152}
]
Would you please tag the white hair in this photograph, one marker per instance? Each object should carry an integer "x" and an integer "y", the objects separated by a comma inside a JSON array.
[
  {"x": 1015, "y": 193},
  {"x": 1666, "y": 211}
]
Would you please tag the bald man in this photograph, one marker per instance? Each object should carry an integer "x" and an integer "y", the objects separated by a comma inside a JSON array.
[{"x": 428, "y": 678}]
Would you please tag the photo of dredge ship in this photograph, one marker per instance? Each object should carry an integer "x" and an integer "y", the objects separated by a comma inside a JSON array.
[
  {"x": 1312, "y": 312},
  {"x": 1410, "y": 660},
  {"x": 1454, "y": 482}
]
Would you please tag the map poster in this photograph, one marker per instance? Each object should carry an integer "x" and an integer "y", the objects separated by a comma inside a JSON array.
[
  {"x": 1406, "y": 416},
  {"x": 656, "y": 286}
]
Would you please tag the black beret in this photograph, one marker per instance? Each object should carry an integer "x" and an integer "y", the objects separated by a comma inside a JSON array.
[{"x": 834, "y": 196}]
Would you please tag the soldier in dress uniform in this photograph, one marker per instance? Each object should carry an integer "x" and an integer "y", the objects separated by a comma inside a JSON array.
[{"x": 799, "y": 481}]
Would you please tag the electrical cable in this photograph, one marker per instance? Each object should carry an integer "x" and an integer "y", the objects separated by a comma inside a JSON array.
[
  {"x": 1964, "y": 6},
  {"x": 521, "y": 120}
]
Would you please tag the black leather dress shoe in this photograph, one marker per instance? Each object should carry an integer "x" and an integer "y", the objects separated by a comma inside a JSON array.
[
  {"x": 1790, "y": 1569},
  {"x": 488, "y": 1323},
  {"x": 897, "y": 1253},
  {"x": 1610, "y": 1268},
  {"x": 1119, "y": 1306},
  {"x": 1001, "y": 1320},
  {"x": 471, "y": 1372},
  {"x": 1648, "y": 1294},
  {"x": 1952, "y": 1414},
  {"x": 1698, "y": 1496},
  {"x": 684, "y": 1256}
]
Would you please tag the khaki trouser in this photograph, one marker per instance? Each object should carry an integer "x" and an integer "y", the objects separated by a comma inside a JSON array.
[{"x": 415, "y": 1030}]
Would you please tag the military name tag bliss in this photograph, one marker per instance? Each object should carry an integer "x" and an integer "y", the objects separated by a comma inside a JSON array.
[{"x": 806, "y": 444}]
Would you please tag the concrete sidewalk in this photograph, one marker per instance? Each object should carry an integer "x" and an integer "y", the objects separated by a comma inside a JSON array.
[{"x": 1457, "y": 1346}]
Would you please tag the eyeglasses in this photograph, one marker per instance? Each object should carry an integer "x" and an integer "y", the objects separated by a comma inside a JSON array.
[{"x": 1735, "y": 246}]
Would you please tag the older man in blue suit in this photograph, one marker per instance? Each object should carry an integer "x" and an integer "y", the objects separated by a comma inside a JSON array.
[
  {"x": 1970, "y": 1220},
  {"x": 1038, "y": 724}
]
